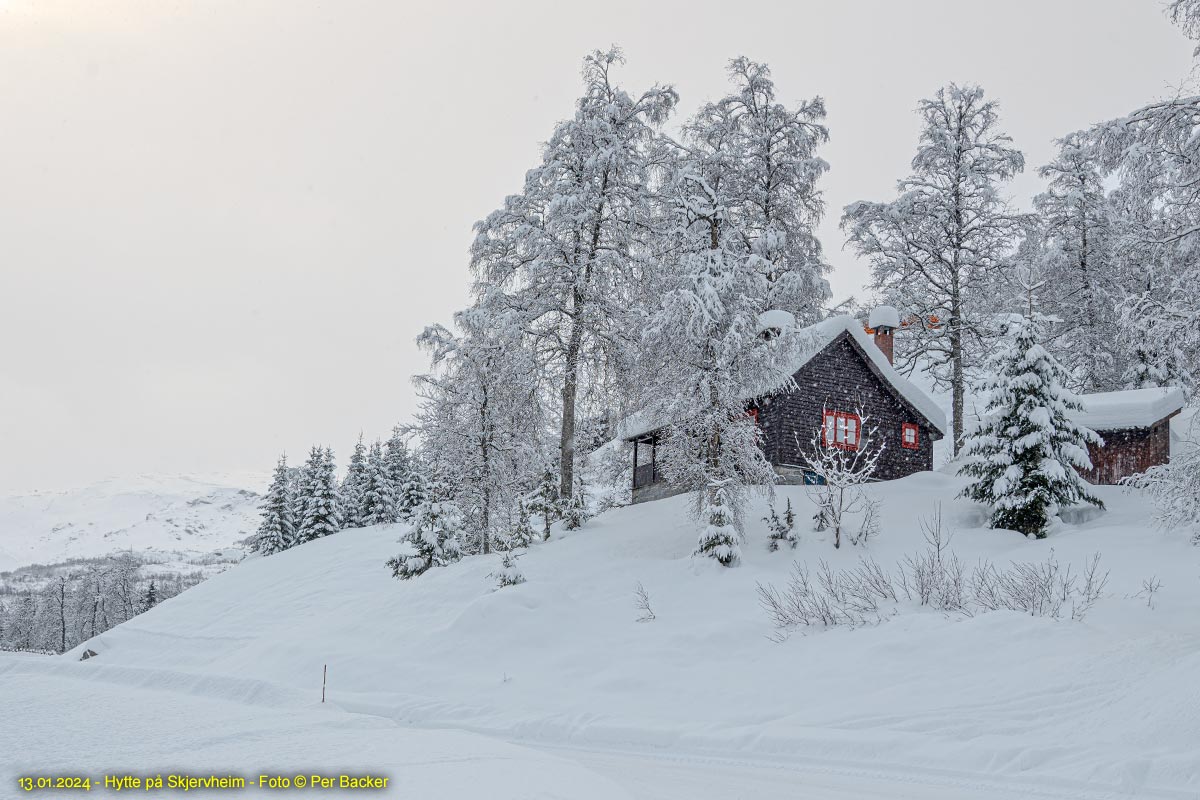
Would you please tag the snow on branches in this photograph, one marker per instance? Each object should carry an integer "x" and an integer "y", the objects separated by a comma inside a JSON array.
[{"x": 1025, "y": 453}]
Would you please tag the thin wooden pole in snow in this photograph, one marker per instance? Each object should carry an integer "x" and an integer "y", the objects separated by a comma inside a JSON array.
[{"x": 324, "y": 675}]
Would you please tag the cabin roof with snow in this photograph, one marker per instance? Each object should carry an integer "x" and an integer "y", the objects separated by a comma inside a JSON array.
[
  {"x": 1129, "y": 409},
  {"x": 813, "y": 340}
]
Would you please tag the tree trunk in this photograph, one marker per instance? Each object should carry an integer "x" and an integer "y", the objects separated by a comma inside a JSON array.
[{"x": 566, "y": 437}]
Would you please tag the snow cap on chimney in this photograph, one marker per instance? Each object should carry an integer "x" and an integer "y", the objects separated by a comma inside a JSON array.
[
  {"x": 774, "y": 322},
  {"x": 884, "y": 317}
]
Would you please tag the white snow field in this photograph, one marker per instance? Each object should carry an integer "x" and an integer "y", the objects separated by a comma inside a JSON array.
[
  {"x": 697, "y": 703},
  {"x": 148, "y": 514}
]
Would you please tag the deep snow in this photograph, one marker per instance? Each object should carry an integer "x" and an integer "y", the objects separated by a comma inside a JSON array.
[{"x": 1067, "y": 708}]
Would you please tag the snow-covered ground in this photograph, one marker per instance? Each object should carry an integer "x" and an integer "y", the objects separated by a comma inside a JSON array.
[
  {"x": 186, "y": 515},
  {"x": 923, "y": 704}
]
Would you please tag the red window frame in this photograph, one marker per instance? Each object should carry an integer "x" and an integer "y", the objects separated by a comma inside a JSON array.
[
  {"x": 846, "y": 430},
  {"x": 905, "y": 429}
]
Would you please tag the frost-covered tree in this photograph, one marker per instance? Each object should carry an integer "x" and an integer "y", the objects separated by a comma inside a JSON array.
[
  {"x": 701, "y": 353},
  {"x": 150, "y": 598},
  {"x": 278, "y": 529},
  {"x": 772, "y": 186},
  {"x": 843, "y": 473},
  {"x": 1175, "y": 486},
  {"x": 397, "y": 460},
  {"x": 935, "y": 250},
  {"x": 560, "y": 250},
  {"x": 435, "y": 538},
  {"x": 520, "y": 533},
  {"x": 322, "y": 506},
  {"x": 354, "y": 488},
  {"x": 479, "y": 416},
  {"x": 781, "y": 530},
  {"x": 1025, "y": 453},
  {"x": 379, "y": 494},
  {"x": 1080, "y": 288}
]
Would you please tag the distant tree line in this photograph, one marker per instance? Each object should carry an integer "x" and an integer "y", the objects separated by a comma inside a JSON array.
[{"x": 77, "y": 602}]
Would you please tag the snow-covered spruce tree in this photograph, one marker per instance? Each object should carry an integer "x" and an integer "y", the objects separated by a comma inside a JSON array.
[
  {"x": 935, "y": 250},
  {"x": 397, "y": 461},
  {"x": 1024, "y": 453},
  {"x": 150, "y": 598},
  {"x": 521, "y": 533},
  {"x": 546, "y": 502},
  {"x": 379, "y": 495},
  {"x": 412, "y": 494},
  {"x": 322, "y": 506},
  {"x": 702, "y": 356},
  {"x": 435, "y": 537},
  {"x": 479, "y": 416},
  {"x": 278, "y": 529},
  {"x": 773, "y": 188},
  {"x": 354, "y": 488},
  {"x": 561, "y": 249}
]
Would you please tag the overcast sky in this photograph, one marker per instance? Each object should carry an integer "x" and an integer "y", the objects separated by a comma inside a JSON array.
[{"x": 223, "y": 223}]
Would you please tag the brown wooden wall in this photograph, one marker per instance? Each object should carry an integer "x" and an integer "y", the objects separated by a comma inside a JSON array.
[
  {"x": 841, "y": 378},
  {"x": 1128, "y": 452}
]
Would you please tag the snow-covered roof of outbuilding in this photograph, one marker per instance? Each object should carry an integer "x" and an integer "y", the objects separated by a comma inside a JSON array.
[
  {"x": 1132, "y": 408},
  {"x": 811, "y": 341}
]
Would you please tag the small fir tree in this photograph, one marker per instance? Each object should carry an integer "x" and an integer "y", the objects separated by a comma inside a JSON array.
[
  {"x": 277, "y": 531},
  {"x": 720, "y": 537},
  {"x": 521, "y": 534},
  {"x": 435, "y": 538},
  {"x": 782, "y": 531},
  {"x": 508, "y": 574},
  {"x": 1025, "y": 452},
  {"x": 397, "y": 461},
  {"x": 150, "y": 599},
  {"x": 546, "y": 503}
]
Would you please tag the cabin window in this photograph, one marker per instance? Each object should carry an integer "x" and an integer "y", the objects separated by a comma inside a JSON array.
[
  {"x": 840, "y": 429},
  {"x": 909, "y": 436}
]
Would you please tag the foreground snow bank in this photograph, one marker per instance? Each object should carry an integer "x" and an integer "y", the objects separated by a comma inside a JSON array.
[
  {"x": 60, "y": 722},
  {"x": 1110, "y": 701}
]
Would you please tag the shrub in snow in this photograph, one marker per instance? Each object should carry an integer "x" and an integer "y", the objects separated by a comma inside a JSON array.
[
  {"x": 641, "y": 601},
  {"x": 781, "y": 533},
  {"x": 435, "y": 538},
  {"x": 508, "y": 574},
  {"x": 844, "y": 472},
  {"x": 1175, "y": 488},
  {"x": 1025, "y": 450},
  {"x": 934, "y": 578}
]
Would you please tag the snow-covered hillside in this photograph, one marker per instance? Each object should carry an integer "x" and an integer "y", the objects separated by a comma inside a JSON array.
[
  {"x": 995, "y": 705},
  {"x": 148, "y": 514}
]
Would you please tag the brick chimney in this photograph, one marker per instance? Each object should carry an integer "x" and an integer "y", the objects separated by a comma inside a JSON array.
[{"x": 883, "y": 322}]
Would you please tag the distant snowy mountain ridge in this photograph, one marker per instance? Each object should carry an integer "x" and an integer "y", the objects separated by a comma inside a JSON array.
[{"x": 173, "y": 515}]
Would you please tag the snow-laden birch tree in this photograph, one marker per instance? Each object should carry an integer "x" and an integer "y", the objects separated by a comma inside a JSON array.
[
  {"x": 561, "y": 249},
  {"x": 936, "y": 248},
  {"x": 702, "y": 357},
  {"x": 480, "y": 417},
  {"x": 772, "y": 188},
  {"x": 1080, "y": 287}
]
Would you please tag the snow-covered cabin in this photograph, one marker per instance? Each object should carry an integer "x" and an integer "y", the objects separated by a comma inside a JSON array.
[
  {"x": 842, "y": 374},
  {"x": 1135, "y": 426}
]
